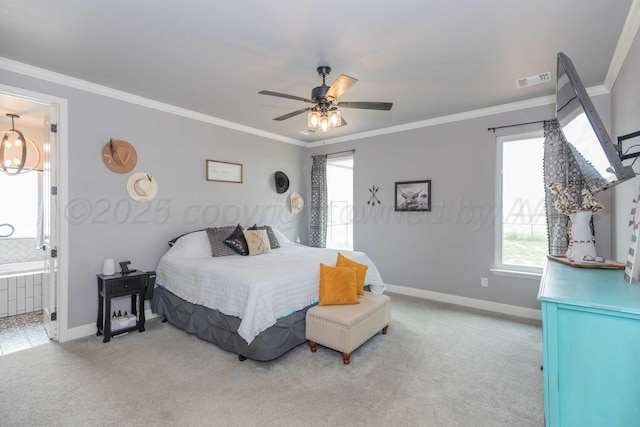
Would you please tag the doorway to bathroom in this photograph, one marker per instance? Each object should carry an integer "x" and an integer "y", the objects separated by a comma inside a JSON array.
[{"x": 29, "y": 220}]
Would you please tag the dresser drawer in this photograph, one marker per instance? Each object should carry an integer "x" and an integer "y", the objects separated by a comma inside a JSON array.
[{"x": 126, "y": 286}]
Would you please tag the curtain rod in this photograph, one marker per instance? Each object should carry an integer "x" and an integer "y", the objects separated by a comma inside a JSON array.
[
  {"x": 340, "y": 152},
  {"x": 517, "y": 124}
]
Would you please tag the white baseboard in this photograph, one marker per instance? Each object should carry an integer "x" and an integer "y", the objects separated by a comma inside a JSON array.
[
  {"x": 91, "y": 328},
  {"x": 496, "y": 307}
]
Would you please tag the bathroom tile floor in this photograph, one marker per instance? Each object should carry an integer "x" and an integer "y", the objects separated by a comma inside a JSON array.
[{"x": 21, "y": 332}]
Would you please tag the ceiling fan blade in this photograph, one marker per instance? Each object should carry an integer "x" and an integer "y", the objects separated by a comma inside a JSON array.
[
  {"x": 340, "y": 86},
  {"x": 284, "y": 95},
  {"x": 293, "y": 114},
  {"x": 367, "y": 105},
  {"x": 343, "y": 122}
]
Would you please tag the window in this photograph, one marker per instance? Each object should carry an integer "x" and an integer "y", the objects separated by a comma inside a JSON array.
[
  {"x": 521, "y": 230},
  {"x": 340, "y": 203},
  {"x": 20, "y": 203}
]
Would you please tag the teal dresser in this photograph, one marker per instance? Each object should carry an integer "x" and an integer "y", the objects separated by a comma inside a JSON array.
[{"x": 590, "y": 347}]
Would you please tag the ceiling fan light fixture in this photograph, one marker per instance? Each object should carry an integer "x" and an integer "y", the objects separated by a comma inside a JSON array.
[
  {"x": 324, "y": 115},
  {"x": 335, "y": 118},
  {"x": 313, "y": 119},
  {"x": 324, "y": 123}
]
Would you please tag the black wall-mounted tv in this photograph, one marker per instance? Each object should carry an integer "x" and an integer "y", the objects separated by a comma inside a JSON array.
[{"x": 584, "y": 133}]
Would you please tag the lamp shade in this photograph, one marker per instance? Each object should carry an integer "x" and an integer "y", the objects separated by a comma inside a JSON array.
[
  {"x": 324, "y": 123},
  {"x": 335, "y": 118},
  {"x": 313, "y": 119}
]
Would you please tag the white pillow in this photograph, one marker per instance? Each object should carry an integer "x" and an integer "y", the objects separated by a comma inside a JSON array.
[
  {"x": 282, "y": 239},
  {"x": 192, "y": 245}
]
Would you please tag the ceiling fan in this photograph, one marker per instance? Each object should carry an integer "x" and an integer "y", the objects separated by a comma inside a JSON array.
[{"x": 325, "y": 114}]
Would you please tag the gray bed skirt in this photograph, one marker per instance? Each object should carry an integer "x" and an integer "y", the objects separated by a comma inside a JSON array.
[{"x": 220, "y": 329}]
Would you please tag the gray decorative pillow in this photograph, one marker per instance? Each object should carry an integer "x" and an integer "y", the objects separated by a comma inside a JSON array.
[
  {"x": 216, "y": 236},
  {"x": 273, "y": 240}
]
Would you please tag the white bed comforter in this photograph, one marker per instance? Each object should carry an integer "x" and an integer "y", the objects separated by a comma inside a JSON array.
[{"x": 257, "y": 289}]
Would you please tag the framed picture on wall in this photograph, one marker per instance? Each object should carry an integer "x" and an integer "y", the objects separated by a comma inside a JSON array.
[
  {"x": 224, "y": 171},
  {"x": 413, "y": 196}
]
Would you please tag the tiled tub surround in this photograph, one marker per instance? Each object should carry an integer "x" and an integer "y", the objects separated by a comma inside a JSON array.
[
  {"x": 20, "y": 292},
  {"x": 19, "y": 250},
  {"x": 21, "y": 266}
]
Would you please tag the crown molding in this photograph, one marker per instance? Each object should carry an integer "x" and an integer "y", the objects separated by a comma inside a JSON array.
[
  {"x": 474, "y": 114},
  {"x": 596, "y": 91},
  {"x": 627, "y": 36},
  {"x": 64, "y": 80},
  {"x": 489, "y": 111},
  {"x": 61, "y": 79}
]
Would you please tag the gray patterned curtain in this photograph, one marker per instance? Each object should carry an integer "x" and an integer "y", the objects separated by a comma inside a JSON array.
[
  {"x": 318, "y": 220},
  {"x": 561, "y": 168}
]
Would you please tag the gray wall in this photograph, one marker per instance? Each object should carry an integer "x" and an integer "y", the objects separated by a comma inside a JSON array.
[
  {"x": 450, "y": 248},
  {"x": 447, "y": 250},
  {"x": 105, "y": 223},
  {"x": 625, "y": 112}
]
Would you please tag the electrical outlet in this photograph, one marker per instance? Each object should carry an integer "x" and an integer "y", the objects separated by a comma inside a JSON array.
[{"x": 484, "y": 282}]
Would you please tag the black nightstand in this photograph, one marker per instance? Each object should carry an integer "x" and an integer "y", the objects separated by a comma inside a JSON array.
[{"x": 119, "y": 285}]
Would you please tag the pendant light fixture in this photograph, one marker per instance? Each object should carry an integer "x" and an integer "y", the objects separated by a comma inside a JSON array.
[{"x": 15, "y": 150}]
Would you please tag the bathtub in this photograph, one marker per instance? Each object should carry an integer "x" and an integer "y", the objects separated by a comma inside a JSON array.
[
  {"x": 21, "y": 268},
  {"x": 21, "y": 289}
]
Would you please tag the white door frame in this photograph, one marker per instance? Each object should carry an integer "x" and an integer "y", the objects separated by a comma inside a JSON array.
[{"x": 62, "y": 288}]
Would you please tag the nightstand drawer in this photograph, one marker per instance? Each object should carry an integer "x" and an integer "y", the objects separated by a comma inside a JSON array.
[{"x": 126, "y": 286}]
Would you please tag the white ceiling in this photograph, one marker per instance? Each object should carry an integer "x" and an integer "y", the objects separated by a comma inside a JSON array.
[
  {"x": 31, "y": 114},
  {"x": 430, "y": 58}
]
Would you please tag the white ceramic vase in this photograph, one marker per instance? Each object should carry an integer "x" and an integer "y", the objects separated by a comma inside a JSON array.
[
  {"x": 108, "y": 267},
  {"x": 581, "y": 240}
]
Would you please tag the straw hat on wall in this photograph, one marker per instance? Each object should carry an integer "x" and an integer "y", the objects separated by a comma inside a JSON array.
[
  {"x": 297, "y": 203},
  {"x": 142, "y": 187},
  {"x": 119, "y": 156}
]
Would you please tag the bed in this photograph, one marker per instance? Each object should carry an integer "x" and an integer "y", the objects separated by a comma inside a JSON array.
[{"x": 253, "y": 306}]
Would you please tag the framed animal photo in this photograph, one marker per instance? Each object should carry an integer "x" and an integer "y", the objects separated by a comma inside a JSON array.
[{"x": 413, "y": 196}]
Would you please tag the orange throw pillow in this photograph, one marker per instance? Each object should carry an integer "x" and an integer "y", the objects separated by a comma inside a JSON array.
[
  {"x": 343, "y": 261},
  {"x": 338, "y": 285}
]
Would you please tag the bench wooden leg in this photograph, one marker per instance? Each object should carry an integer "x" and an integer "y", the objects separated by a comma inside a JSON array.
[
  {"x": 314, "y": 346},
  {"x": 346, "y": 358},
  {"x": 384, "y": 330}
]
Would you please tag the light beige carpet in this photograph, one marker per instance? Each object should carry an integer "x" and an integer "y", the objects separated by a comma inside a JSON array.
[{"x": 439, "y": 365}]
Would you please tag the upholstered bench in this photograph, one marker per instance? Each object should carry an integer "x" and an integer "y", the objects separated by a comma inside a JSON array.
[{"x": 346, "y": 327}]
